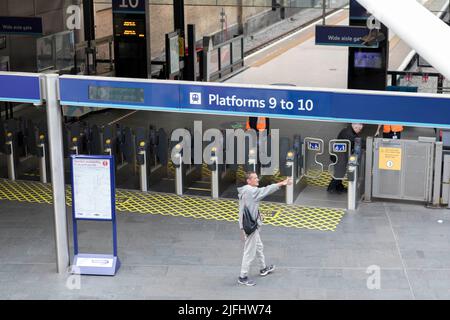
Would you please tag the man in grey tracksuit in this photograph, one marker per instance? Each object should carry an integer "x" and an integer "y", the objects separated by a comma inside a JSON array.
[{"x": 250, "y": 196}]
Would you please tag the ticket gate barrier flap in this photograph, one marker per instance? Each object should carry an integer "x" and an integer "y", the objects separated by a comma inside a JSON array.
[
  {"x": 313, "y": 147},
  {"x": 31, "y": 138},
  {"x": 340, "y": 150},
  {"x": 221, "y": 177},
  {"x": 95, "y": 141},
  {"x": 158, "y": 155},
  {"x": 163, "y": 147},
  {"x": 285, "y": 147},
  {"x": 109, "y": 141},
  {"x": 299, "y": 183},
  {"x": 298, "y": 149}
]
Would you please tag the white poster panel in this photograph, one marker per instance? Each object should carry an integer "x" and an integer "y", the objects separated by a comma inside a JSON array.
[{"x": 92, "y": 188}]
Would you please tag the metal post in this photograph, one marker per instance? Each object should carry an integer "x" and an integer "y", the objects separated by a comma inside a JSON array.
[
  {"x": 324, "y": 11},
  {"x": 143, "y": 171},
  {"x": 368, "y": 172},
  {"x": 55, "y": 137},
  {"x": 437, "y": 180},
  {"x": 10, "y": 159},
  {"x": 148, "y": 39},
  {"x": 179, "y": 176},
  {"x": 43, "y": 163},
  {"x": 351, "y": 196},
  {"x": 290, "y": 188},
  {"x": 215, "y": 179},
  {"x": 191, "y": 61},
  {"x": 178, "y": 162}
]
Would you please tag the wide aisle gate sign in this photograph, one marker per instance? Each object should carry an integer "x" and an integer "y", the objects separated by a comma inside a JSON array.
[
  {"x": 337, "y": 105},
  {"x": 93, "y": 198}
]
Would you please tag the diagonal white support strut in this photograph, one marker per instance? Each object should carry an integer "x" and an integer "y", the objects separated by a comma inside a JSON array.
[{"x": 418, "y": 27}]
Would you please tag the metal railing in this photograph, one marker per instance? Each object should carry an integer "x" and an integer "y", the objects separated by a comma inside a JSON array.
[{"x": 222, "y": 60}]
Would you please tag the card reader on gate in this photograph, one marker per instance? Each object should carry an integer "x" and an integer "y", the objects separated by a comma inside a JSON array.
[
  {"x": 340, "y": 147},
  {"x": 313, "y": 146}
]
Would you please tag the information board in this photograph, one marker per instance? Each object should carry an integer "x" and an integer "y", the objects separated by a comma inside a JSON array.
[
  {"x": 92, "y": 188},
  {"x": 390, "y": 159}
]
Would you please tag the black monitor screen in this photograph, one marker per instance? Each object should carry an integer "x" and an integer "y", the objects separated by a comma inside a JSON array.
[{"x": 368, "y": 60}]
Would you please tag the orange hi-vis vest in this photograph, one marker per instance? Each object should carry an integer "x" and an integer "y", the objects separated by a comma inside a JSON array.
[
  {"x": 260, "y": 124},
  {"x": 389, "y": 128}
]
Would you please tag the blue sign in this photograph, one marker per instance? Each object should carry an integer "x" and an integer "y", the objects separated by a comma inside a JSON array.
[
  {"x": 21, "y": 25},
  {"x": 313, "y": 146},
  {"x": 342, "y": 36},
  {"x": 20, "y": 87},
  {"x": 337, "y": 105},
  {"x": 128, "y": 6},
  {"x": 340, "y": 147},
  {"x": 402, "y": 88},
  {"x": 94, "y": 175}
]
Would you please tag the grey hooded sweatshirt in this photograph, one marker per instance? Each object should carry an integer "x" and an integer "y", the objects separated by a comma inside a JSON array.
[{"x": 251, "y": 196}]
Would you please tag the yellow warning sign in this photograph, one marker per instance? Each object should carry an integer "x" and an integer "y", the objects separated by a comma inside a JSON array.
[{"x": 390, "y": 159}]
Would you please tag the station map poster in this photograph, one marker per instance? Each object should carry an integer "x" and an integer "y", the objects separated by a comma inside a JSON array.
[{"x": 92, "y": 188}]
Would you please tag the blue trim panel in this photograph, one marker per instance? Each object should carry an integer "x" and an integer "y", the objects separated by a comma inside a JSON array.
[{"x": 15, "y": 88}]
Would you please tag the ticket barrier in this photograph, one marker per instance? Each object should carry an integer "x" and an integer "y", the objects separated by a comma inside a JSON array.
[
  {"x": 22, "y": 142},
  {"x": 344, "y": 164},
  {"x": 141, "y": 151},
  {"x": 185, "y": 174},
  {"x": 157, "y": 156},
  {"x": 222, "y": 175},
  {"x": 290, "y": 167},
  {"x": 10, "y": 144}
]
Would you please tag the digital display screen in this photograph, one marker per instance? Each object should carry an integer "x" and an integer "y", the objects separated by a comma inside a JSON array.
[
  {"x": 116, "y": 94},
  {"x": 315, "y": 146},
  {"x": 368, "y": 60},
  {"x": 340, "y": 147},
  {"x": 129, "y": 27}
]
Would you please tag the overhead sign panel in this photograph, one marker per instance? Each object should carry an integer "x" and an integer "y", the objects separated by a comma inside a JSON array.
[
  {"x": 21, "y": 25},
  {"x": 128, "y": 6},
  {"x": 342, "y": 36},
  {"x": 276, "y": 102},
  {"x": 20, "y": 87}
]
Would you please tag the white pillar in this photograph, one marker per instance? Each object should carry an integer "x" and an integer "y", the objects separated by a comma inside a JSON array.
[{"x": 55, "y": 139}]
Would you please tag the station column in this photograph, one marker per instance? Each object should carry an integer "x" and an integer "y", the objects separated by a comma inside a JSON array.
[{"x": 367, "y": 67}]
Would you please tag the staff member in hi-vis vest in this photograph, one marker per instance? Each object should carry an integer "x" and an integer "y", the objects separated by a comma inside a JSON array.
[
  {"x": 390, "y": 131},
  {"x": 257, "y": 123}
]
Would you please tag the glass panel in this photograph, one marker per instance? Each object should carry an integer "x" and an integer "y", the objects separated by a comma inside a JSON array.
[
  {"x": 225, "y": 56},
  {"x": 237, "y": 50},
  {"x": 213, "y": 61},
  {"x": 65, "y": 50},
  {"x": 45, "y": 53}
]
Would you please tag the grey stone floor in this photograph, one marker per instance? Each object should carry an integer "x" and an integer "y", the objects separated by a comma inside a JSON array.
[{"x": 183, "y": 258}]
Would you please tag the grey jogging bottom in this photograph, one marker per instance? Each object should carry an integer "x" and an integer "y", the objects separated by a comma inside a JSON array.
[{"x": 253, "y": 247}]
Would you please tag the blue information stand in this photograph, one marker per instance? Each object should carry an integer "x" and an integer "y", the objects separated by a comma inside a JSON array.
[{"x": 93, "y": 199}]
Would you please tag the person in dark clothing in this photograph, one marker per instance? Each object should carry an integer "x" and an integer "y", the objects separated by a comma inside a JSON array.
[{"x": 349, "y": 133}]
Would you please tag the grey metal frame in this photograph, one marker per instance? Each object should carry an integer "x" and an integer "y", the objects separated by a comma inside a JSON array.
[{"x": 228, "y": 70}]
